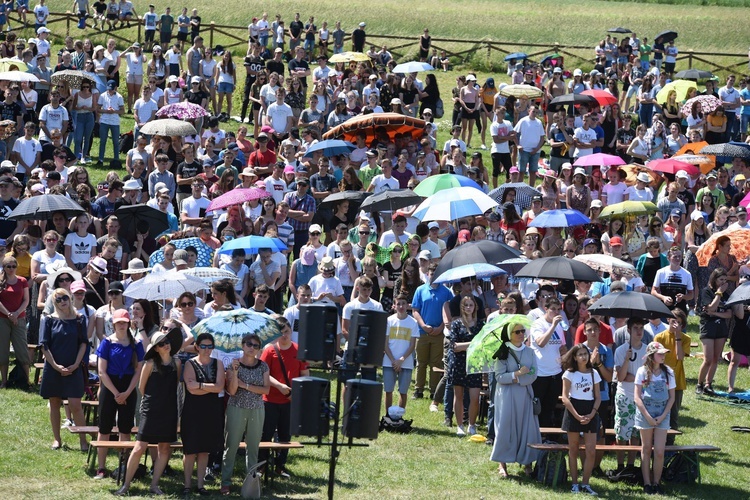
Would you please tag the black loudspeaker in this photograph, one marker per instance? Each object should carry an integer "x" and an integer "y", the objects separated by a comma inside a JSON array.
[
  {"x": 318, "y": 326},
  {"x": 310, "y": 406},
  {"x": 367, "y": 337},
  {"x": 362, "y": 408}
]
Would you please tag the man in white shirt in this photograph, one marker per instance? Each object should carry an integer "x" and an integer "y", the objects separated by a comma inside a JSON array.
[
  {"x": 383, "y": 182},
  {"x": 548, "y": 342},
  {"x": 501, "y": 131},
  {"x": 275, "y": 185},
  {"x": 194, "y": 208},
  {"x": 742, "y": 222},
  {"x": 584, "y": 137},
  {"x": 111, "y": 106},
  {"x": 673, "y": 285},
  {"x": 402, "y": 332},
  {"x": 730, "y": 100},
  {"x": 279, "y": 116},
  {"x": 455, "y": 140},
  {"x": 362, "y": 302},
  {"x": 397, "y": 232},
  {"x": 531, "y": 135},
  {"x": 144, "y": 110},
  {"x": 348, "y": 268}
]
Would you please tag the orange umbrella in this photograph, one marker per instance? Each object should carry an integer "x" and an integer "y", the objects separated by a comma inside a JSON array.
[
  {"x": 740, "y": 245},
  {"x": 390, "y": 123},
  {"x": 632, "y": 170},
  {"x": 705, "y": 163},
  {"x": 692, "y": 148}
]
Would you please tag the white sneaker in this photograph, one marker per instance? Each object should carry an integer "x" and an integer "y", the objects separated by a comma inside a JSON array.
[
  {"x": 585, "y": 488},
  {"x": 482, "y": 147},
  {"x": 460, "y": 431},
  {"x": 575, "y": 488},
  {"x": 472, "y": 430},
  {"x": 434, "y": 408},
  {"x": 67, "y": 423}
]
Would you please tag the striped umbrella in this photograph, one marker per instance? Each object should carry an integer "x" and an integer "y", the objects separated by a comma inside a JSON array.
[
  {"x": 435, "y": 183},
  {"x": 524, "y": 193}
]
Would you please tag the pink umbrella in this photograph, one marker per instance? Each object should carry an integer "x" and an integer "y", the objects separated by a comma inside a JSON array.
[
  {"x": 237, "y": 197},
  {"x": 671, "y": 166},
  {"x": 599, "y": 159},
  {"x": 707, "y": 104},
  {"x": 745, "y": 201},
  {"x": 182, "y": 111}
]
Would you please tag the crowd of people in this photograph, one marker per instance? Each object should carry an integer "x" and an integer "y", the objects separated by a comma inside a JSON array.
[{"x": 62, "y": 281}]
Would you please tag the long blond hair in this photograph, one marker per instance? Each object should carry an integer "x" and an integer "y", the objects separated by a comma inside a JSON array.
[{"x": 468, "y": 319}]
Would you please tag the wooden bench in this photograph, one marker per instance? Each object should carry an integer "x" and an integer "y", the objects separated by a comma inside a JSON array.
[
  {"x": 607, "y": 432},
  {"x": 124, "y": 447},
  {"x": 90, "y": 410},
  {"x": 560, "y": 451}
]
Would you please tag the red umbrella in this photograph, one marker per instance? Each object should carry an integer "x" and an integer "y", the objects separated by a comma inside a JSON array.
[
  {"x": 603, "y": 97},
  {"x": 599, "y": 159},
  {"x": 237, "y": 197},
  {"x": 670, "y": 166}
]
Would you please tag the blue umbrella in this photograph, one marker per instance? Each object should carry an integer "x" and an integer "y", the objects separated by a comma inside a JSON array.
[
  {"x": 560, "y": 218},
  {"x": 516, "y": 56},
  {"x": 331, "y": 147},
  {"x": 251, "y": 245},
  {"x": 205, "y": 252},
  {"x": 479, "y": 271},
  {"x": 412, "y": 67}
]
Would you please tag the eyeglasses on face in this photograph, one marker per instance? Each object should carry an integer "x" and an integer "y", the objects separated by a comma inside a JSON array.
[
  {"x": 252, "y": 345},
  {"x": 187, "y": 304}
]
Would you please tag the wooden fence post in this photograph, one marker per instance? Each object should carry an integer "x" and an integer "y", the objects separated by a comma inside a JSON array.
[
  {"x": 67, "y": 24},
  {"x": 489, "y": 56},
  {"x": 211, "y": 34},
  {"x": 690, "y": 59},
  {"x": 139, "y": 31}
]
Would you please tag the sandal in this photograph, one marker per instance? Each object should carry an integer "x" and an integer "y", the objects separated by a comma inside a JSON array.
[
  {"x": 503, "y": 473},
  {"x": 202, "y": 491}
]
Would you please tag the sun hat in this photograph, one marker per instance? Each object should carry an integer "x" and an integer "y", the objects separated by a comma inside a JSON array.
[
  {"x": 99, "y": 265},
  {"x": 58, "y": 268},
  {"x": 643, "y": 177},
  {"x": 132, "y": 185},
  {"x": 326, "y": 264},
  {"x": 135, "y": 266},
  {"x": 174, "y": 336}
]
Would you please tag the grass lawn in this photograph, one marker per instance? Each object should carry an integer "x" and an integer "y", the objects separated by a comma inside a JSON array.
[{"x": 428, "y": 463}]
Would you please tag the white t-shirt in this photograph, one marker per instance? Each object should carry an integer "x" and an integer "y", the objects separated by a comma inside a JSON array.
[
  {"x": 381, "y": 184},
  {"x": 134, "y": 64},
  {"x": 276, "y": 188},
  {"x": 388, "y": 237},
  {"x": 587, "y": 137},
  {"x": 355, "y": 305},
  {"x": 195, "y": 207},
  {"x": 145, "y": 109},
  {"x": 257, "y": 272},
  {"x": 529, "y": 132},
  {"x": 53, "y": 118},
  {"x": 279, "y": 115},
  {"x": 240, "y": 275},
  {"x": 582, "y": 384},
  {"x": 80, "y": 248},
  {"x": 501, "y": 129},
  {"x": 343, "y": 273},
  {"x": 398, "y": 334},
  {"x": 44, "y": 260},
  {"x": 628, "y": 388},
  {"x": 547, "y": 357},
  {"x": 27, "y": 150},
  {"x": 673, "y": 282},
  {"x": 320, "y": 285},
  {"x": 635, "y": 194},
  {"x": 292, "y": 316},
  {"x": 615, "y": 192},
  {"x": 107, "y": 101}
]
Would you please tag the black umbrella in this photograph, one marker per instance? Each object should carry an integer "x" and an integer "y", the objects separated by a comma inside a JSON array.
[
  {"x": 353, "y": 197},
  {"x": 130, "y": 216},
  {"x": 666, "y": 36},
  {"x": 630, "y": 304},
  {"x": 42, "y": 207},
  {"x": 562, "y": 100},
  {"x": 619, "y": 29},
  {"x": 391, "y": 200},
  {"x": 476, "y": 252},
  {"x": 558, "y": 268},
  {"x": 727, "y": 150},
  {"x": 693, "y": 74},
  {"x": 740, "y": 295}
]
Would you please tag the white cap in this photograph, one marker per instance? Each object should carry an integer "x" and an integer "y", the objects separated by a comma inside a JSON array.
[
  {"x": 160, "y": 186},
  {"x": 195, "y": 79},
  {"x": 557, "y": 70},
  {"x": 580, "y": 170},
  {"x": 433, "y": 225},
  {"x": 425, "y": 254},
  {"x": 315, "y": 228},
  {"x": 577, "y": 72},
  {"x": 596, "y": 203},
  {"x": 643, "y": 177},
  {"x": 681, "y": 174},
  {"x": 173, "y": 78},
  {"x": 471, "y": 78},
  {"x": 362, "y": 25},
  {"x": 697, "y": 214},
  {"x": 566, "y": 166}
]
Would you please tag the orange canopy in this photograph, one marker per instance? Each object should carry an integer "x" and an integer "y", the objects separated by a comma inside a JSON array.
[{"x": 376, "y": 123}]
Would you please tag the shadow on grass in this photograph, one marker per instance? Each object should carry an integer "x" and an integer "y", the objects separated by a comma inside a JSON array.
[
  {"x": 708, "y": 491},
  {"x": 710, "y": 459},
  {"x": 687, "y": 421}
]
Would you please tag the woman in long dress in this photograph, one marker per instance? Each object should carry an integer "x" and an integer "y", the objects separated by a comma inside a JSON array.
[{"x": 516, "y": 426}]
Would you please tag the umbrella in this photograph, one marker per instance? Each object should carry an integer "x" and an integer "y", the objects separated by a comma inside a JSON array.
[
  {"x": 210, "y": 274},
  {"x": 707, "y": 104},
  {"x": 205, "y": 252},
  {"x": 331, "y": 147},
  {"x": 727, "y": 151},
  {"x": 164, "y": 286},
  {"x": 353, "y": 197},
  {"x": 17, "y": 76},
  {"x": 479, "y": 271},
  {"x": 745, "y": 201},
  {"x": 671, "y": 166},
  {"x": 740, "y": 245},
  {"x": 694, "y": 74},
  {"x": 524, "y": 193},
  {"x": 229, "y": 327},
  {"x": 630, "y": 305},
  {"x": 740, "y": 295},
  {"x": 453, "y": 204},
  {"x": 168, "y": 126},
  {"x": 390, "y": 200},
  {"x": 412, "y": 67},
  {"x": 705, "y": 163},
  {"x": 236, "y": 196},
  {"x": 558, "y": 268},
  {"x": 182, "y": 111},
  {"x": 632, "y": 170},
  {"x": 251, "y": 245},
  {"x": 513, "y": 265},
  {"x": 516, "y": 56},
  {"x": 603, "y": 97},
  {"x": 131, "y": 215},
  {"x": 474, "y": 252},
  {"x": 435, "y": 183},
  {"x": 521, "y": 90},
  {"x": 42, "y": 208},
  {"x": 390, "y": 123},
  {"x": 8, "y": 64},
  {"x": 566, "y": 99},
  {"x": 73, "y": 78},
  {"x": 566, "y": 217},
  {"x": 681, "y": 87},
  {"x": 666, "y": 36},
  {"x": 598, "y": 160},
  {"x": 630, "y": 207},
  {"x": 607, "y": 264},
  {"x": 619, "y": 29},
  {"x": 480, "y": 355},
  {"x": 552, "y": 59},
  {"x": 346, "y": 57}
]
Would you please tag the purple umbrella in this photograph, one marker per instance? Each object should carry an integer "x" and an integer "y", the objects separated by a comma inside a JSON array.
[{"x": 237, "y": 197}]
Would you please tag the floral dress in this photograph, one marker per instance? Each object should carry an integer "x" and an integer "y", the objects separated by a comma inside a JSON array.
[{"x": 457, "y": 360}]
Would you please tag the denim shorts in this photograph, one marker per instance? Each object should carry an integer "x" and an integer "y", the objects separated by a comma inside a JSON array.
[
  {"x": 389, "y": 379},
  {"x": 226, "y": 88}
]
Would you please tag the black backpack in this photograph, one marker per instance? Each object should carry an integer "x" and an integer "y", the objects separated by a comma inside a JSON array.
[
  {"x": 544, "y": 469},
  {"x": 17, "y": 379},
  {"x": 629, "y": 474},
  {"x": 682, "y": 467}
]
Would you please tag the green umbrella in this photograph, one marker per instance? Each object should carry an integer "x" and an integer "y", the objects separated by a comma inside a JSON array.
[
  {"x": 436, "y": 183},
  {"x": 228, "y": 328},
  {"x": 630, "y": 207},
  {"x": 479, "y": 355}
]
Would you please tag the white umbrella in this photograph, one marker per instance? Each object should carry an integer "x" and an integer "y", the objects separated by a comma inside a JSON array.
[
  {"x": 453, "y": 204},
  {"x": 607, "y": 264},
  {"x": 17, "y": 76},
  {"x": 412, "y": 67},
  {"x": 210, "y": 274},
  {"x": 168, "y": 126},
  {"x": 164, "y": 286},
  {"x": 480, "y": 271}
]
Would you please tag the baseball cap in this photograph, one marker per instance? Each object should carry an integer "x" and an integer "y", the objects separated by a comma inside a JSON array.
[
  {"x": 682, "y": 175},
  {"x": 119, "y": 316},
  {"x": 580, "y": 171},
  {"x": 577, "y": 72},
  {"x": 615, "y": 241},
  {"x": 80, "y": 285},
  {"x": 425, "y": 254},
  {"x": 195, "y": 79},
  {"x": 566, "y": 166},
  {"x": 116, "y": 286},
  {"x": 172, "y": 78},
  {"x": 675, "y": 213},
  {"x": 557, "y": 70},
  {"x": 740, "y": 210},
  {"x": 362, "y": 25},
  {"x": 278, "y": 49},
  {"x": 464, "y": 235},
  {"x": 433, "y": 225},
  {"x": 536, "y": 197},
  {"x": 471, "y": 78},
  {"x": 111, "y": 84},
  {"x": 161, "y": 187},
  {"x": 55, "y": 176},
  {"x": 596, "y": 204},
  {"x": 514, "y": 170},
  {"x": 372, "y": 153},
  {"x": 493, "y": 217},
  {"x": 43, "y": 30},
  {"x": 590, "y": 241},
  {"x": 710, "y": 175},
  {"x": 262, "y": 135},
  {"x": 697, "y": 215},
  {"x": 655, "y": 348},
  {"x": 315, "y": 228}
]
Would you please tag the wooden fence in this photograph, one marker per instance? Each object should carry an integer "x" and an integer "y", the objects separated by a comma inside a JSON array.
[{"x": 485, "y": 51}]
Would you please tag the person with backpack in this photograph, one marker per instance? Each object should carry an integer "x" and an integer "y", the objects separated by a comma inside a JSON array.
[
  {"x": 654, "y": 397},
  {"x": 581, "y": 398}
]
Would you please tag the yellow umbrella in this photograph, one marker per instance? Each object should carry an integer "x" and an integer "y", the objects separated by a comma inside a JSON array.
[
  {"x": 12, "y": 65},
  {"x": 348, "y": 57},
  {"x": 680, "y": 86}
]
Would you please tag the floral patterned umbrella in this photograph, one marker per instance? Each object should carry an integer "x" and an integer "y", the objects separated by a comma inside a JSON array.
[
  {"x": 182, "y": 111},
  {"x": 707, "y": 104},
  {"x": 740, "y": 239},
  {"x": 210, "y": 274},
  {"x": 73, "y": 77},
  {"x": 205, "y": 252}
]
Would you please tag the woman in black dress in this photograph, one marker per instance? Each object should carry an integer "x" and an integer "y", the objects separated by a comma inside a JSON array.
[
  {"x": 158, "y": 385},
  {"x": 390, "y": 272},
  {"x": 202, "y": 427},
  {"x": 64, "y": 344}
]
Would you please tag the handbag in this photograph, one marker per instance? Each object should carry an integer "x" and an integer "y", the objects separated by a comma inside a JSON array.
[
  {"x": 251, "y": 486},
  {"x": 535, "y": 403}
]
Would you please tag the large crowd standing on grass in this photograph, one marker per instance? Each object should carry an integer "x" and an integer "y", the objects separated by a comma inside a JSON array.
[{"x": 62, "y": 280}]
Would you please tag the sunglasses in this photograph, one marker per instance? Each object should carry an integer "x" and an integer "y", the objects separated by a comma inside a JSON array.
[
  {"x": 398, "y": 250},
  {"x": 163, "y": 343},
  {"x": 315, "y": 234},
  {"x": 65, "y": 280},
  {"x": 364, "y": 232},
  {"x": 252, "y": 345},
  {"x": 205, "y": 346},
  {"x": 522, "y": 331},
  {"x": 187, "y": 304},
  {"x": 62, "y": 298}
]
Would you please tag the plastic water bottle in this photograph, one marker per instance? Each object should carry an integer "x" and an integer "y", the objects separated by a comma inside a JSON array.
[{"x": 564, "y": 324}]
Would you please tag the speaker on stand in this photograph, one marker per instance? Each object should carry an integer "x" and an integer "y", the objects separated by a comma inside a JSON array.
[
  {"x": 318, "y": 326},
  {"x": 310, "y": 412},
  {"x": 362, "y": 409},
  {"x": 367, "y": 337}
]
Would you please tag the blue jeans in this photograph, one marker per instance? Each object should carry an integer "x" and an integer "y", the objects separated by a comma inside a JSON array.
[
  {"x": 732, "y": 125},
  {"x": 105, "y": 129},
  {"x": 525, "y": 158},
  {"x": 645, "y": 114},
  {"x": 744, "y": 121},
  {"x": 84, "y": 125}
]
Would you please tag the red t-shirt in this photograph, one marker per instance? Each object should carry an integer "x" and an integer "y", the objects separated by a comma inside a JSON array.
[
  {"x": 605, "y": 334},
  {"x": 261, "y": 159},
  {"x": 293, "y": 369},
  {"x": 12, "y": 297}
]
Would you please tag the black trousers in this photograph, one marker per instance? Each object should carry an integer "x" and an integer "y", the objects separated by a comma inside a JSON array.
[
  {"x": 278, "y": 421},
  {"x": 548, "y": 389}
]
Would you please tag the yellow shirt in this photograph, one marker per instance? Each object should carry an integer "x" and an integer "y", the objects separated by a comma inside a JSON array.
[
  {"x": 667, "y": 339},
  {"x": 24, "y": 265}
]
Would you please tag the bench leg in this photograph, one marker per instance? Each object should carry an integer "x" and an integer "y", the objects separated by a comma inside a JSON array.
[
  {"x": 121, "y": 471},
  {"x": 559, "y": 456},
  {"x": 696, "y": 462}
]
